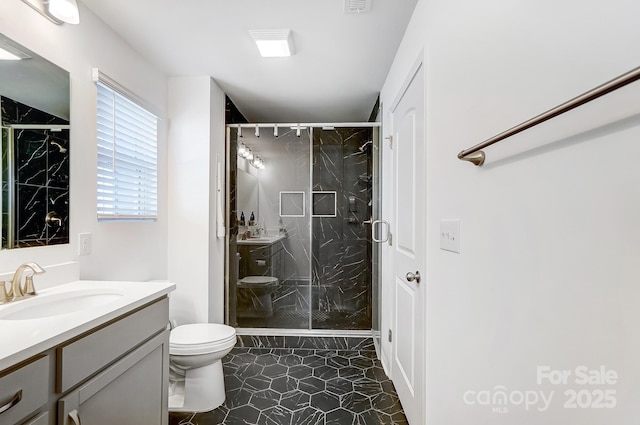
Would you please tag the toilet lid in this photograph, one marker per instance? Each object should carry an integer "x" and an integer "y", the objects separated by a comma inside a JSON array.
[
  {"x": 259, "y": 279},
  {"x": 201, "y": 334}
]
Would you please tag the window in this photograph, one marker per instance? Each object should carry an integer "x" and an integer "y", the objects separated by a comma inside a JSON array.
[{"x": 127, "y": 157}]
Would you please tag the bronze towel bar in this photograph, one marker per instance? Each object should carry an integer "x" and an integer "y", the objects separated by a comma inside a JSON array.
[{"x": 476, "y": 156}]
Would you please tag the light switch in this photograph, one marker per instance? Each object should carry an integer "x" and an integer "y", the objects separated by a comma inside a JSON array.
[
  {"x": 84, "y": 243},
  {"x": 450, "y": 235}
]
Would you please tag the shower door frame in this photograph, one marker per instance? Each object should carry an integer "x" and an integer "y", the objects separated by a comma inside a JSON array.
[{"x": 376, "y": 133}]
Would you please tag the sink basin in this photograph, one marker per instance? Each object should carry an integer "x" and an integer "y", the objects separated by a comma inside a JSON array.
[
  {"x": 59, "y": 304},
  {"x": 261, "y": 240}
]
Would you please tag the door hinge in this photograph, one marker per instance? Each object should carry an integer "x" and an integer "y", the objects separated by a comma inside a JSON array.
[
  {"x": 390, "y": 139},
  {"x": 390, "y": 239},
  {"x": 390, "y": 335}
]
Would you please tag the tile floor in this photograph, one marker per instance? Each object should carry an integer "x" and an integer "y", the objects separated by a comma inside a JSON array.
[{"x": 302, "y": 381}]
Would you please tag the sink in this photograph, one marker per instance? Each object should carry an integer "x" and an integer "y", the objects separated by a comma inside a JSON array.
[
  {"x": 261, "y": 240},
  {"x": 59, "y": 304}
]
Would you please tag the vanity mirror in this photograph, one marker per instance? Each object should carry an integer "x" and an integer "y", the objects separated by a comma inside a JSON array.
[
  {"x": 34, "y": 148},
  {"x": 248, "y": 194}
]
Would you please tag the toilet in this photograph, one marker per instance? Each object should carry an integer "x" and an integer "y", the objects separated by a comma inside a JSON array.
[
  {"x": 254, "y": 296},
  {"x": 196, "y": 380}
]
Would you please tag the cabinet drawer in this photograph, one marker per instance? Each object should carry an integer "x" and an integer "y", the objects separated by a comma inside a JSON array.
[
  {"x": 84, "y": 357},
  {"x": 23, "y": 391}
]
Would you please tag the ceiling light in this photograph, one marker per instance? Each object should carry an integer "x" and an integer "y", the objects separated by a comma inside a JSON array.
[
  {"x": 275, "y": 130},
  {"x": 357, "y": 6},
  {"x": 57, "y": 11},
  {"x": 7, "y": 56},
  {"x": 64, "y": 10},
  {"x": 273, "y": 43},
  {"x": 257, "y": 131},
  {"x": 10, "y": 52}
]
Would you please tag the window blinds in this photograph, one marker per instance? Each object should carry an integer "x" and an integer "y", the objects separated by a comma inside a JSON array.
[{"x": 127, "y": 158}]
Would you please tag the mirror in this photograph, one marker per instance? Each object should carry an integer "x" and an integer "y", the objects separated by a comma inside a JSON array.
[
  {"x": 34, "y": 161},
  {"x": 247, "y": 193}
]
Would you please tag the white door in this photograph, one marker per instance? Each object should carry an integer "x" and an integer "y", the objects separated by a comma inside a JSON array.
[{"x": 409, "y": 247}]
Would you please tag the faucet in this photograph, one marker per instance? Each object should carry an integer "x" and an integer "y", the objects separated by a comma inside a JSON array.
[{"x": 18, "y": 292}]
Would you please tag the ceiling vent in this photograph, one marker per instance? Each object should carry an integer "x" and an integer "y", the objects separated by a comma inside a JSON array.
[{"x": 357, "y": 6}]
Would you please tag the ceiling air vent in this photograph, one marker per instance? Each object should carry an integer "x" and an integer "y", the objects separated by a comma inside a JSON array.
[{"x": 357, "y": 6}]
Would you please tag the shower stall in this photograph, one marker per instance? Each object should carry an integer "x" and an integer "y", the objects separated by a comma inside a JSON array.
[{"x": 301, "y": 202}]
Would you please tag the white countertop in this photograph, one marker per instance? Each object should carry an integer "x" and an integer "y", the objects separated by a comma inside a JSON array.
[
  {"x": 263, "y": 240},
  {"x": 22, "y": 339}
]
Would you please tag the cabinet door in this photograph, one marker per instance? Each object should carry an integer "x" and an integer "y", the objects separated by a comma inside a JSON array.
[{"x": 131, "y": 391}]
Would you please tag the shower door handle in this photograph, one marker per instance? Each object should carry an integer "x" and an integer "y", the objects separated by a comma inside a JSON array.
[{"x": 373, "y": 231}]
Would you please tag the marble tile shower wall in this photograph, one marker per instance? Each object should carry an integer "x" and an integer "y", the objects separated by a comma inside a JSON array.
[
  {"x": 41, "y": 175},
  {"x": 340, "y": 245}
]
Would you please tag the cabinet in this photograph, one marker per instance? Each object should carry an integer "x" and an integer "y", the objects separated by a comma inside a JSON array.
[
  {"x": 115, "y": 373},
  {"x": 23, "y": 390},
  {"x": 131, "y": 391},
  {"x": 261, "y": 260}
]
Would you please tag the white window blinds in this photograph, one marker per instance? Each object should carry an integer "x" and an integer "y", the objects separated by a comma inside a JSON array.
[{"x": 127, "y": 158}]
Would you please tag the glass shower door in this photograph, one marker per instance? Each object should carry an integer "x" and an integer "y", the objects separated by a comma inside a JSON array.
[
  {"x": 271, "y": 286},
  {"x": 341, "y": 243}
]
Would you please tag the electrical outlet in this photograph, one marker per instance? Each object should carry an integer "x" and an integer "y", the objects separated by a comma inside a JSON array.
[
  {"x": 450, "y": 235},
  {"x": 84, "y": 243}
]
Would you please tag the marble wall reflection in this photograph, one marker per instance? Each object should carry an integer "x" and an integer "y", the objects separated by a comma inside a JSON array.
[{"x": 41, "y": 176}]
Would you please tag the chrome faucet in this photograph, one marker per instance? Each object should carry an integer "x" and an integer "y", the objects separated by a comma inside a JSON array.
[{"x": 18, "y": 291}]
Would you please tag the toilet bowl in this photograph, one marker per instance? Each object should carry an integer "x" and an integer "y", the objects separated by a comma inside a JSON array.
[
  {"x": 254, "y": 296},
  {"x": 196, "y": 380}
]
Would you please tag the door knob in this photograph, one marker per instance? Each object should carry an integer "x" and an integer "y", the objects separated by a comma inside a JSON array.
[{"x": 413, "y": 276}]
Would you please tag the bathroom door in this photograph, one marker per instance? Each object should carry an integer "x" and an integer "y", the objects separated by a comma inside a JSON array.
[{"x": 409, "y": 246}]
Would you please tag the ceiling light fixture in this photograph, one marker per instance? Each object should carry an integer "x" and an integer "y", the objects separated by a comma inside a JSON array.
[
  {"x": 275, "y": 130},
  {"x": 357, "y": 6},
  {"x": 9, "y": 52},
  {"x": 273, "y": 43},
  {"x": 257, "y": 131},
  {"x": 57, "y": 11}
]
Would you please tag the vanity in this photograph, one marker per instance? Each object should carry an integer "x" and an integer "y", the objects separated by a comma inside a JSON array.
[
  {"x": 261, "y": 256},
  {"x": 86, "y": 352}
]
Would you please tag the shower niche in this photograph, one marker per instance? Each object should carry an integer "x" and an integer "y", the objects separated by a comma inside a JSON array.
[{"x": 310, "y": 239}]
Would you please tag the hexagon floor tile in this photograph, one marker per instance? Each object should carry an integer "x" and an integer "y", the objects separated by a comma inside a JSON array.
[{"x": 302, "y": 386}]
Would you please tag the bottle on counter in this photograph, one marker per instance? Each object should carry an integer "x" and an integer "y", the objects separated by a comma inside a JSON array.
[
  {"x": 252, "y": 219},
  {"x": 241, "y": 218}
]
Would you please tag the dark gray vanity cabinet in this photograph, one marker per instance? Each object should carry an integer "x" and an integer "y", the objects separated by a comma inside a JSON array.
[{"x": 261, "y": 260}]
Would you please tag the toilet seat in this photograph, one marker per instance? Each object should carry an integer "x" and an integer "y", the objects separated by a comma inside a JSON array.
[
  {"x": 200, "y": 338},
  {"x": 257, "y": 281}
]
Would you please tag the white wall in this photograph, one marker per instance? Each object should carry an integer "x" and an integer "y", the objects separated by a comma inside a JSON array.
[
  {"x": 547, "y": 275},
  {"x": 195, "y": 255},
  {"x": 120, "y": 250}
]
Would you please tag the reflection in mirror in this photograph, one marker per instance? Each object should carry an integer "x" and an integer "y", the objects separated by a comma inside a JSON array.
[
  {"x": 34, "y": 164},
  {"x": 247, "y": 194}
]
